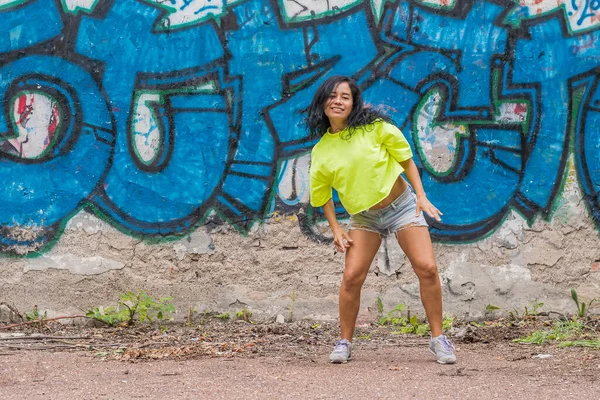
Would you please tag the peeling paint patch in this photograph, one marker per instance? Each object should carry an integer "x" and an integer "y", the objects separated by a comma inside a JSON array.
[
  {"x": 89, "y": 224},
  {"x": 74, "y": 264},
  {"x": 548, "y": 258},
  {"x": 469, "y": 281},
  {"x": 196, "y": 243}
]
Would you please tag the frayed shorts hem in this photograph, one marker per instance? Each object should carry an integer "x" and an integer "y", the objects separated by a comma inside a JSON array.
[
  {"x": 402, "y": 228},
  {"x": 398, "y": 216}
]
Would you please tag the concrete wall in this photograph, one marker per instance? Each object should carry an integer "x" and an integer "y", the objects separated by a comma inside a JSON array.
[{"x": 158, "y": 145}]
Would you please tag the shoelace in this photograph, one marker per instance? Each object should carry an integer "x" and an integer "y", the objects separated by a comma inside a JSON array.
[
  {"x": 339, "y": 344},
  {"x": 446, "y": 344}
]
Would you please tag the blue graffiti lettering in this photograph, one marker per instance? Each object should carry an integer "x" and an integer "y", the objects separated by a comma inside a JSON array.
[{"x": 156, "y": 128}]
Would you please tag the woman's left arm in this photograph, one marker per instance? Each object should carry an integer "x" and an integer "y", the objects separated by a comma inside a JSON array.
[{"x": 423, "y": 204}]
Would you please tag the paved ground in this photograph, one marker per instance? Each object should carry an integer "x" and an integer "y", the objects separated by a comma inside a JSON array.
[{"x": 400, "y": 370}]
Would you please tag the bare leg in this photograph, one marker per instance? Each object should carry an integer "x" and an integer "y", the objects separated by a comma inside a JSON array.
[
  {"x": 416, "y": 244},
  {"x": 359, "y": 257}
]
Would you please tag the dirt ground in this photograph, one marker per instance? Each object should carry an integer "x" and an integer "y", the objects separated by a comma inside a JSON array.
[{"x": 241, "y": 360}]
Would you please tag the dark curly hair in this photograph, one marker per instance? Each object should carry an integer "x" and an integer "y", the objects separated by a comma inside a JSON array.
[{"x": 317, "y": 122}]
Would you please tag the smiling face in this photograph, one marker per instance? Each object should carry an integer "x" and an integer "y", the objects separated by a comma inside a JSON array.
[{"x": 339, "y": 105}]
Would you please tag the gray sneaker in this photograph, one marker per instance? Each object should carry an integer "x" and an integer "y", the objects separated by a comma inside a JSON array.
[
  {"x": 342, "y": 352},
  {"x": 442, "y": 349}
]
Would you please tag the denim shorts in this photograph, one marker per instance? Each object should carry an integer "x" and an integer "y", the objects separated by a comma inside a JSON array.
[{"x": 399, "y": 215}]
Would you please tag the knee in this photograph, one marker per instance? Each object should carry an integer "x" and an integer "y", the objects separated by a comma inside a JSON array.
[
  {"x": 426, "y": 269},
  {"x": 352, "y": 281}
]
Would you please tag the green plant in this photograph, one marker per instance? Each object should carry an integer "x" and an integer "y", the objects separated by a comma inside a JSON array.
[
  {"x": 244, "y": 314},
  {"x": 394, "y": 317},
  {"x": 146, "y": 307},
  {"x": 524, "y": 317},
  {"x": 131, "y": 305},
  {"x": 534, "y": 309},
  {"x": 379, "y": 307},
  {"x": 582, "y": 308},
  {"x": 415, "y": 326},
  {"x": 560, "y": 331},
  {"x": 34, "y": 315},
  {"x": 110, "y": 315},
  {"x": 408, "y": 324},
  {"x": 581, "y": 343},
  {"x": 224, "y": 315},
  {"x": 491, "y": 308},
  {"x": 447, "y": 323}
]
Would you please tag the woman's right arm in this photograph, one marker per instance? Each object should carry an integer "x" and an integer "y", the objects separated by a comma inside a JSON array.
[{"x": 341, "y": 239}]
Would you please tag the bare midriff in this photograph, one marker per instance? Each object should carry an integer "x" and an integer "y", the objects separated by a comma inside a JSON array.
[{"x": 399, "y": 187}]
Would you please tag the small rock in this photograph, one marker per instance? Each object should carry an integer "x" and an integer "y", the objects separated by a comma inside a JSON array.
[
  {"x": 543, "y": 356},
  {"x": 9, "y": 314},
  {"x": 280, "y": 319},
  {"x": 465, "y": 334}
]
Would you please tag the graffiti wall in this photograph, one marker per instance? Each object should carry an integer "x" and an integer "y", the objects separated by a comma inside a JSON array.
[
  {"x": 157, "y": 115},
  {"x": 135, "y": 134}
]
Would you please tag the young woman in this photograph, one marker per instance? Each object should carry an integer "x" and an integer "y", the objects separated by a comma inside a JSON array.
[{"x": 362, "y": 155}]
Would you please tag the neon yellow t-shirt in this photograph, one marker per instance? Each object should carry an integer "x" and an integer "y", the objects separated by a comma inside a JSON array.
[{"x": 362, "y": 169}]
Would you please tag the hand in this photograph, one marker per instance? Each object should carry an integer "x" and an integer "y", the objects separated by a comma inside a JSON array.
[
  {"x": 341, "y": 240},
  {"x": 423, "y": 204}
]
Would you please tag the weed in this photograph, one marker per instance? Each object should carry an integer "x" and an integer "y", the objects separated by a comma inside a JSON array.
[
  {"x": 561, "y": 331},
  {"x": 565, "y": 333},
  {"x": 223, "y": 316},
  {"x": 132, "y": 305},
  {"x": 514, "y": 314},
  {"x": 491, "y": 308},
  {"x": 206, "y": 314},
  {"x": 447, "y": 323},
  {"x": 409, "y": 324},
  {"x": 534, "y": 309},
  {"x": 34, "y": 315},
  {"x": 316, "y": 325},
  {"x": 531, "y": 311},
  {"x": 244, "y": 314},
  {"x": 364, "y": 337},
  {"x": 582, "y": 343},
  {"x": 110, "y": 315},
  {"x": 394, "y": 317},
  {"x": 582, "y": 308},
  {"x": 379, "y": 307},
  {"x": 415, "y": 326}
]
